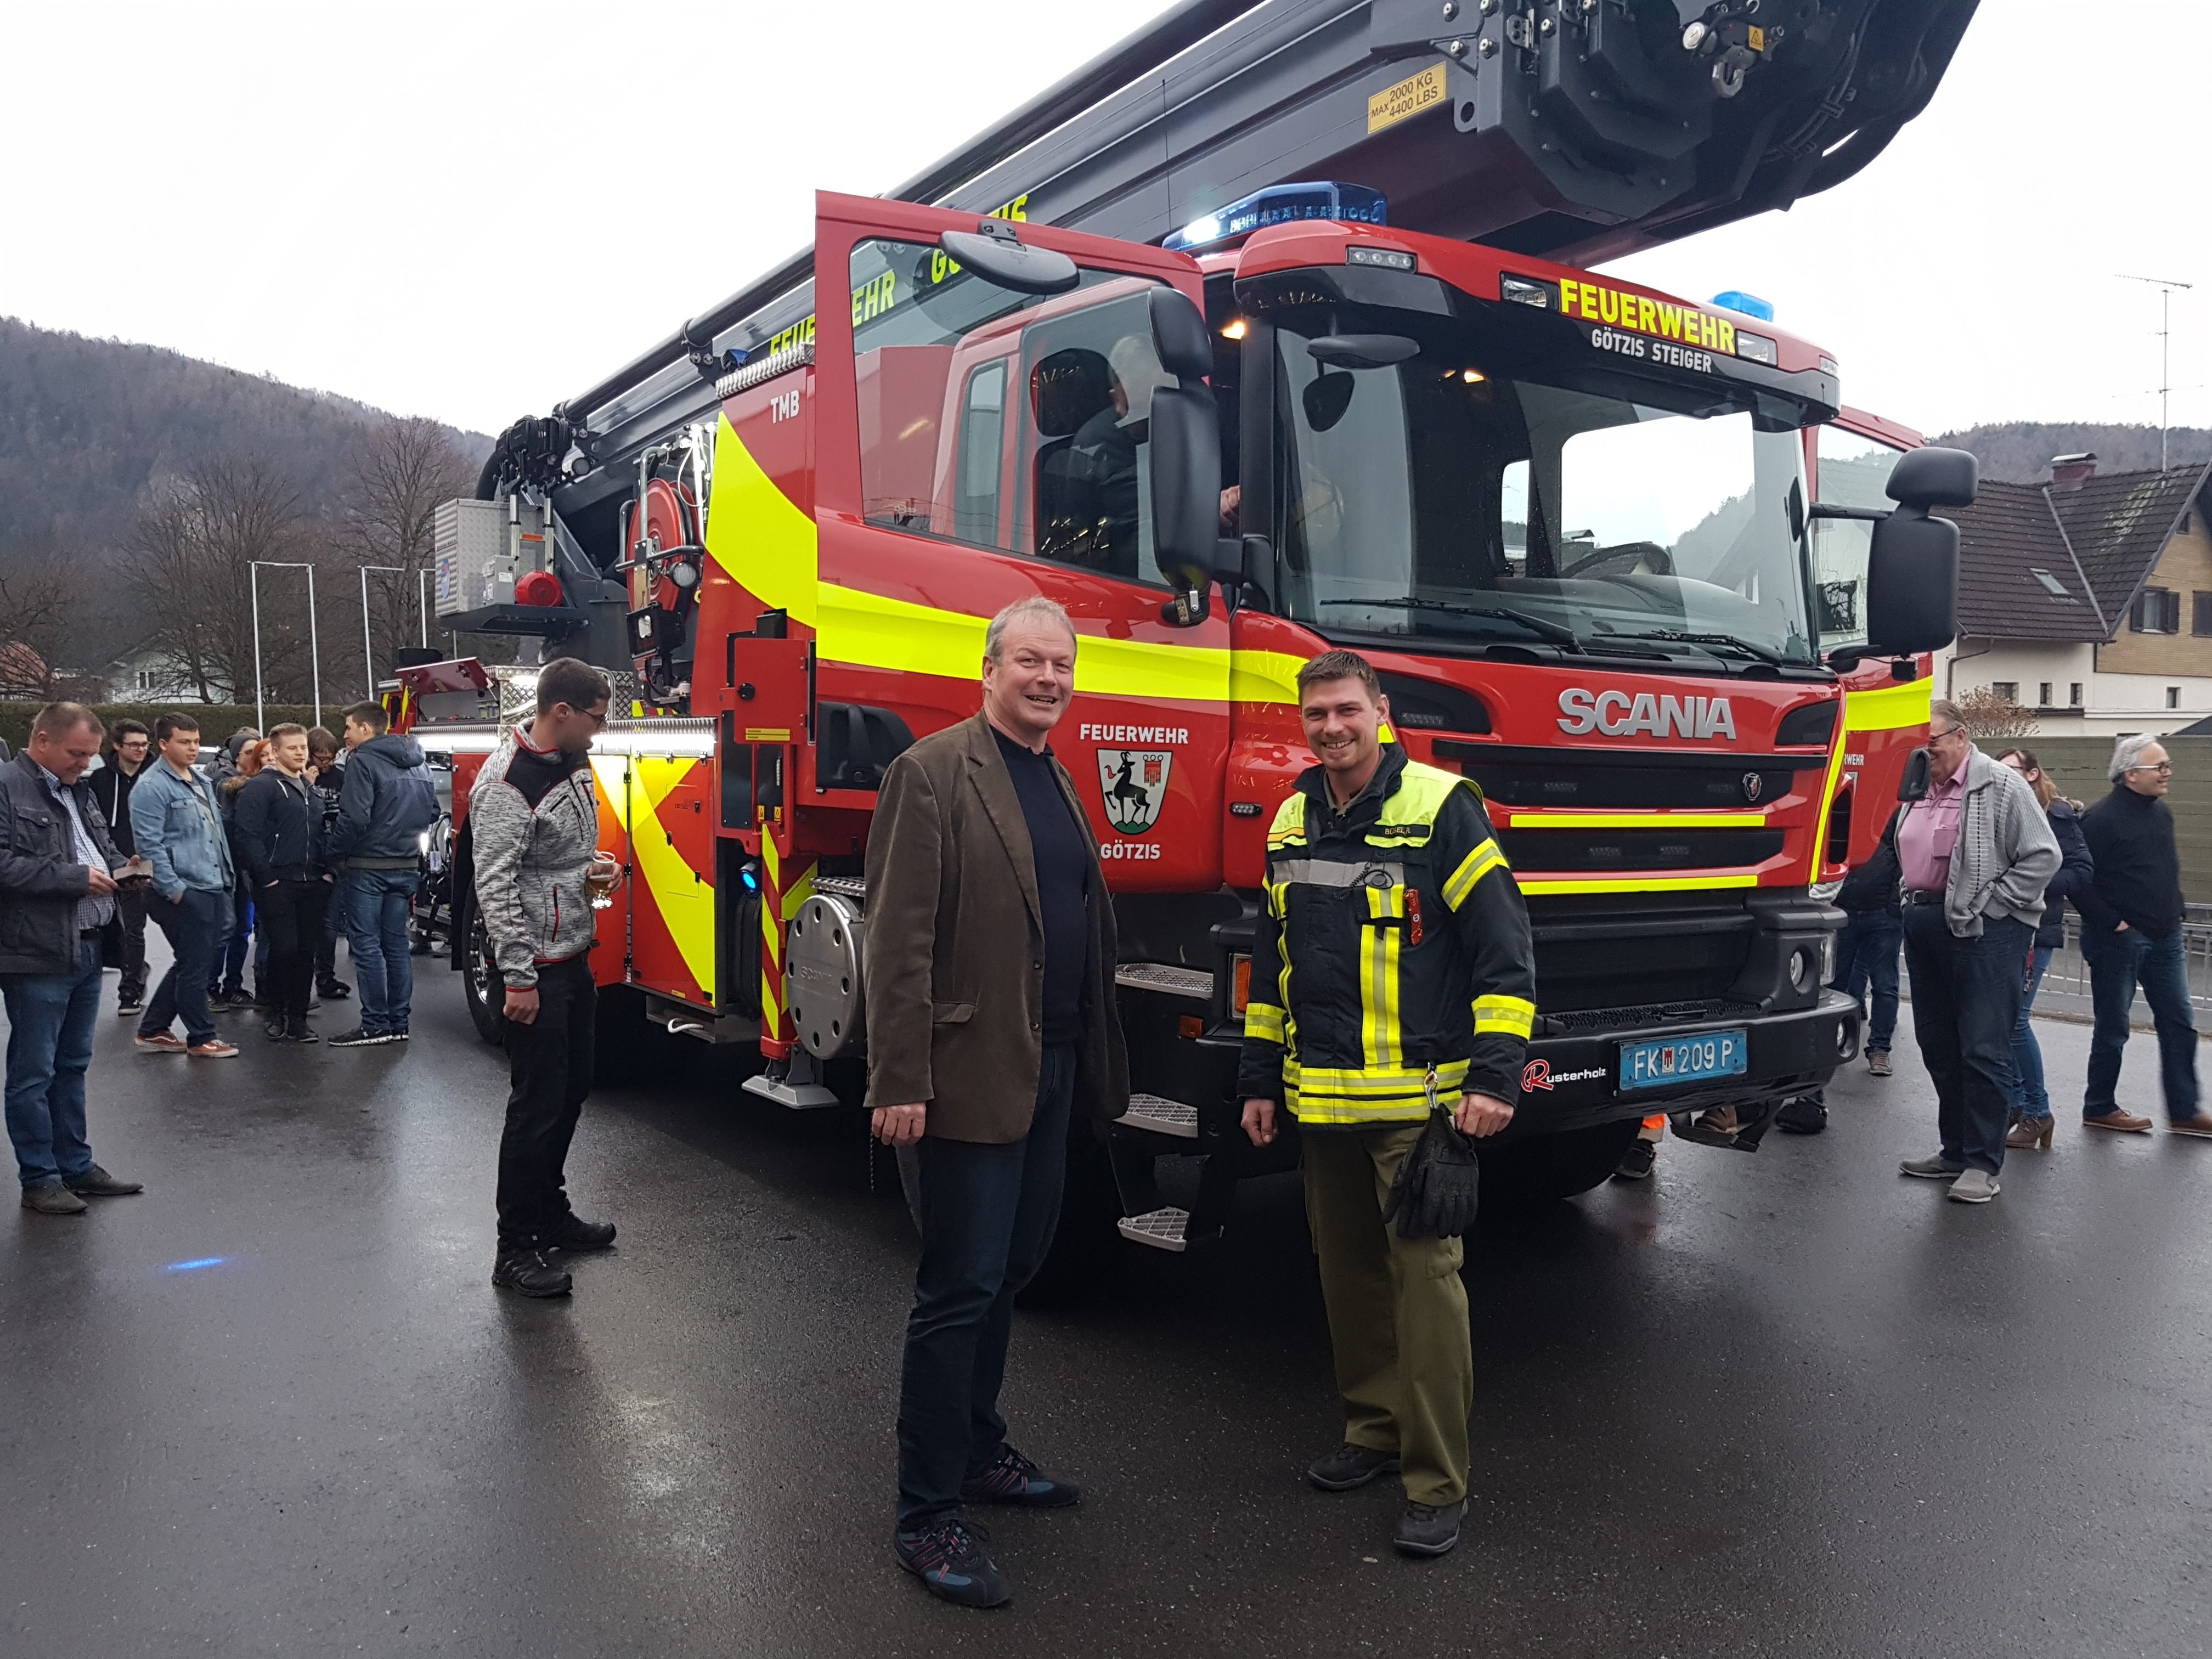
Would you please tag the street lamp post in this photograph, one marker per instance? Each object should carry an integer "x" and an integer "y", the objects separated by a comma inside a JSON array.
[
  {"x": 422, "y": 608},
  {"x": 314, "y": 635}
]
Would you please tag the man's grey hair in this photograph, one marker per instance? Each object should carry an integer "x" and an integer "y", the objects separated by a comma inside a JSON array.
[
  {"x": 1949, "y": 711},
  {"x": 1035, "y": 608},
  {"x": 2128, "y": 753}
]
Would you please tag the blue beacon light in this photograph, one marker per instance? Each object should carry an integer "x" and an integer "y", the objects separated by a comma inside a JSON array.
[
  {"x": 1745, "y": 304},
  {"x": 1281, "y": 204}
]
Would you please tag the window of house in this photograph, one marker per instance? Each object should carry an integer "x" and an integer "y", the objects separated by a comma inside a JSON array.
[
  {"x": 2052, "y": 585},
  {"x": 2043, "y": 695},
  {"x": 2156, "y": 611},
  {"x": 2074, "y": 695},
  {"x": 2009, "y": 689},
  {"x": 2173, "y": 697},
  {"x": 2200, "y": 613}
]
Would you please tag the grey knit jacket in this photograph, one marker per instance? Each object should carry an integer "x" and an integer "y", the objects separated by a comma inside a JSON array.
[
  {"x": 2006, "y": 855},
  {"x": 533, "y": 823}
]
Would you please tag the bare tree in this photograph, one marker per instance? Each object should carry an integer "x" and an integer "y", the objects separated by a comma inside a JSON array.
[
  {"x": 191, "y": 557},
  {"x": 36, "y": 605},
  {"x": 399, "y": 475},
  {"x": 1993, "y": 718}
]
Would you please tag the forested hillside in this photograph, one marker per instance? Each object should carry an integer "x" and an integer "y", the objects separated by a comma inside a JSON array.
[{"x": 2020, "y": 452}]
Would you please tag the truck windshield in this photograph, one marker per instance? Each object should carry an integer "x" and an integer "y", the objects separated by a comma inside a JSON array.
[{"x": 1465, "y": 499}]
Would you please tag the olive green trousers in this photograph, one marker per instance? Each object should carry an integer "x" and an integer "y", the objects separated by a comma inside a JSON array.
[{"x": 1397, "y": 1312}]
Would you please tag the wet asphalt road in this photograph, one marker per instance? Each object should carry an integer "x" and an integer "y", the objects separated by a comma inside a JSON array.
[{"x": 1786, "y": 1403}]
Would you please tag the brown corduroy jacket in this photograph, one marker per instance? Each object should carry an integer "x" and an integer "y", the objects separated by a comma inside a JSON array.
[{"x": 956, "y": 949}]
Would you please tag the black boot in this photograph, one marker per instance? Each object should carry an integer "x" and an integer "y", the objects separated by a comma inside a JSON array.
[
  {"x": 525, "y": 1270},
  {"x": 296, "y": 1029}
]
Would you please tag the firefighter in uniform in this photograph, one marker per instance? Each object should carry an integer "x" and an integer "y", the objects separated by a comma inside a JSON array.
[{"x": 1391, "y": 970}]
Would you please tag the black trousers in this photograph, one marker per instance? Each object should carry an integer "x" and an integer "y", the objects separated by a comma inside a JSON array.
[
  {"x": 549, "y": 1062},
  {"x": 131, "y": 914},
  {"x": 290, "y": 917},
  {"x": 1966, "y": 994}
]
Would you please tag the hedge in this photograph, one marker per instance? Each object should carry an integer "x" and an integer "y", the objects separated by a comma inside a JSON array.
[{"x": 217, "y": 720}]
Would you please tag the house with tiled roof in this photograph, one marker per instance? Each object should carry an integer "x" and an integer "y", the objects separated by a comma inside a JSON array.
[{"x": 2088, "y": 598}]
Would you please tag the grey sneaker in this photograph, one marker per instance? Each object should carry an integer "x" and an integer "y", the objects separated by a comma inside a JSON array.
[
  {"x": 1937, "y": 1168},
  {"x": 1974, "y": 1187},
  {"x": 1426, "y": 1529},
  {"x": 1350, "y": 1465},
  {"x": 52, "y": 1198},
  {"x": 1878, "y": 1061}
]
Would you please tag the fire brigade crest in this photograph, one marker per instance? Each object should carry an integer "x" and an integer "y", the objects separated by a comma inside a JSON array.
[{"x": 1134, "y": 782}]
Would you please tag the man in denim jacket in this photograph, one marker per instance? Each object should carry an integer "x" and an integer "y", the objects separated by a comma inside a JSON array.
[{"x": 177, "y": 824}]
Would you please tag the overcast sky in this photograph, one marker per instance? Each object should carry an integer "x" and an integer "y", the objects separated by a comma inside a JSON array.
[{"x": 373, "y": 199}]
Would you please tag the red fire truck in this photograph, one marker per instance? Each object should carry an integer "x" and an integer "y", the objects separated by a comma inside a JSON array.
[{"x": 1579, "y": 526}]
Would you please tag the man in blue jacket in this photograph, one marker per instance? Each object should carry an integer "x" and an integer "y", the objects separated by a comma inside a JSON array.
[
  {"x": 385, "y": 803},
  {"x": 177, "y": 824}
]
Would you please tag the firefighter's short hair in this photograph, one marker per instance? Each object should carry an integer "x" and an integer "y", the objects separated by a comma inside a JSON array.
[
  {"x": 579, "y": 685},
  {"x": 1035, "y": 608},
  {"x": 1339, "y": 666}
]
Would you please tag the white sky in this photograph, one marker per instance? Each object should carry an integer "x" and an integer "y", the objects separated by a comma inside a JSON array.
[{"x": 328, "y": 193}]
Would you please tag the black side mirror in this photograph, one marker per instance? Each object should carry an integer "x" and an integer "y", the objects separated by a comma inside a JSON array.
[
  {"x": 1913, "y": 584},
  {"x": 1935, "y": 477},
  {"x": 1913, "y": 785},
  {"x": 1326, "y": 398},
  {"x": 992, "y": 251},
  {"x": 1362, "y": 350}
]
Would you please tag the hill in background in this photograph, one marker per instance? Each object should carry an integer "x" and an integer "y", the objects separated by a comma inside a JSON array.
[{"x": 2020, "y": 452}]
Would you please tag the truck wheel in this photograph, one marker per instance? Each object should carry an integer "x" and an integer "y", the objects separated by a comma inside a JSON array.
[
  {"x": 1545, "y": 1168},
  {"x": 481, "y": 988}
]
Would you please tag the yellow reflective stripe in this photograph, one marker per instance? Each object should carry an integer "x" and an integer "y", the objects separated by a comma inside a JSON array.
[
  {"x": 1473, "y": 868},
  {"x": 1514, "y": 1016},
  {"x": 633, "y": 786},
  {"x": 1373, "y": 1080},
  {"x": 1637, "y": 820},
  {"x": 757, "y": 535},
  {"x": 1323, "y": 1110},
  {"x": 1263, "y": 1021},
  {"x": 1378, "y": 979},
  {"x": 1891, "y": 709},
  {"x": 1640, "y": 885},
  {"x": 1265, "y": 676}
]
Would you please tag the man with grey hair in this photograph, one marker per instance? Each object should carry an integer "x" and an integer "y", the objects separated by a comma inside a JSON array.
[
  {"x": 57, "y": 888},
  {"x": 2131, "y": 916},
  {"x": 1975, "y": 855},
  {"x": 992, "y": 1026}
]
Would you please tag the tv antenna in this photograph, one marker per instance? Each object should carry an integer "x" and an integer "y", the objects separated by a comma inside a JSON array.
[{"x": 2166, "y": 286}]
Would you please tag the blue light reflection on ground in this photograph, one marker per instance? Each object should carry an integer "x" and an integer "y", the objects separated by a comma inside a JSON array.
[{"x": 196, "y": 1262}]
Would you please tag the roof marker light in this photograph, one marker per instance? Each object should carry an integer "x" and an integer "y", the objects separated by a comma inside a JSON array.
[
  {"x": 1389, "y": 259},
  {"x": 1280, "y": 204},
  {"x": 1745, "y": 304},
  {"x": 1522, "y": 292},
  {"x": 1757, "y": 347}
]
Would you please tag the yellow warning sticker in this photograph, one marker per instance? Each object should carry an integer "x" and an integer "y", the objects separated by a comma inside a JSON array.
[
  {"x": 768, "y": 734},
  {"x": 1406, "y": 99}
]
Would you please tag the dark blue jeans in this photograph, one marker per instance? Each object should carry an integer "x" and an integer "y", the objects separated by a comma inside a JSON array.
[
  {"x": 196, "y": 927},
  {"x": 51, "y": 1019},
  {"x": 987, "y": 1217},
  {"x": 1966, "y": 1001},
  {"x": 2117, "y": 963},
  {"x": 1866, "y": 957},
  {"x": 2031, "y": 1099},
  {"x": 229, "y": 971},
  {"x": 376, "y": 906}
]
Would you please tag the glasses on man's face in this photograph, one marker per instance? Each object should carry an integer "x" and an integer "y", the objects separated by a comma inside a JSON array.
[
  {"x": 2164, "y": 769},
  {"x": 1945, "y": 736}
]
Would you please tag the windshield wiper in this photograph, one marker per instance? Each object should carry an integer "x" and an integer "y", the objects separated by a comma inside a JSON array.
[
  {"x": 1677, "y": 636},
  {"x": 1565, "y": 637}
]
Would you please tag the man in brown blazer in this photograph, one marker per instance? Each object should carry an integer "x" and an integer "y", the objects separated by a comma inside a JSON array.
[{"x": 991, "y": 1025}]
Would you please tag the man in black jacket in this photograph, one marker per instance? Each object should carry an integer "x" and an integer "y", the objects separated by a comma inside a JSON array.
[
  {"x": 385, "y": 803},
  {"x": 57, "y": 894},
  {"x": 130, "y": 743},
  {"x": 2131, "y": 917},
  {"x": 280, "y": 833}
]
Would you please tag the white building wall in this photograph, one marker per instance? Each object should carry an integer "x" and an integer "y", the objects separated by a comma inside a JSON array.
[{"x": 2111, "y": 703}]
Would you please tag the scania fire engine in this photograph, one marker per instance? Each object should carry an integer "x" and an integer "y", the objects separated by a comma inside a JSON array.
[{"x": 1273, "y": 330}]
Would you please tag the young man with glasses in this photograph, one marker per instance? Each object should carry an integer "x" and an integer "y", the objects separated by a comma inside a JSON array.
[{"x": 2132, "y": 916}]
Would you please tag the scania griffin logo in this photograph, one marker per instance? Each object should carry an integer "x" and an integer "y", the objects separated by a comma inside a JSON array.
[{"x": 1618, "y": 714}]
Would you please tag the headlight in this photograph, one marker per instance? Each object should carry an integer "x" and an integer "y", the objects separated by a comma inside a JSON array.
[{"x": 1827, "y": 959}]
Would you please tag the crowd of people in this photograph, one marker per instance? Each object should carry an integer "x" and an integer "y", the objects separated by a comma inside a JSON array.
[{"x": 983, "y": 1056}]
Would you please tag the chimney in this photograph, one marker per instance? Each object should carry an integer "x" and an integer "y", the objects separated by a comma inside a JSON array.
[{"x": 2070, "y": 472}]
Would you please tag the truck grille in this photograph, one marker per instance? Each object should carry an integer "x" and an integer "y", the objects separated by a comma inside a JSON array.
[
  {"x": 1698, "y": 1011},
  {"x": 1585, "y": 850},
  {"x": 1517, "y": 776}
]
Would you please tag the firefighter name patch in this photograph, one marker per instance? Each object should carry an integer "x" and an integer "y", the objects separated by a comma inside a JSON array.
[{"x": 1134, "y": 782}]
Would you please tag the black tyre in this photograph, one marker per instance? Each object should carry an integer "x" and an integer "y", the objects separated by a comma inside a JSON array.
[
  {"x": 481, "y": 986},
  {"x": 1546, "y": 1168}
]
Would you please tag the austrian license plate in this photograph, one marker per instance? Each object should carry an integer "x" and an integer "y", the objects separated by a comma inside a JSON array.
[{"x": 1663, "y": 1061}]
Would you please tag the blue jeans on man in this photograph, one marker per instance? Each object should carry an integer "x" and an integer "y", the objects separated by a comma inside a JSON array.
[
  {"x": 197, "y": 925},
  {"x": 2031, "y": 1101},
  {"x": 378, "y": 903},
  {"x": 51, "y": 1020},
  {"x": 1966, "y": 1002},
  {"x": 2117, "y": 963},
  {"x": 1866, "y": 958},
  {"x": 987, "y": 1215}
]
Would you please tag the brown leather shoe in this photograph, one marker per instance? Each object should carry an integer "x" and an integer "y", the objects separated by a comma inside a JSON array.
[
  {"x": 2199, "y": 1125},
  {"x": 52, "y": 1198},
  {"x": 2126, "y": 1123},
  {"x": 2031, "y": 1134}
]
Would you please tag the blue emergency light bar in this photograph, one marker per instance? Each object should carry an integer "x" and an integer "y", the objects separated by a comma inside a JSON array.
[
  {"x": 1280, "y": 204},
  {"x": 1745, "y": 304}
]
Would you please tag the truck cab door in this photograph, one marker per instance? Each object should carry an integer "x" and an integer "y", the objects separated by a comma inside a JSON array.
[
  {"x": 975, "y": 444},
  {"x": 1884, "y": 718}
]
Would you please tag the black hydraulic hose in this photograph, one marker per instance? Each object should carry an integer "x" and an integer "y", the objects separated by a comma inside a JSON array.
[
  {"x": 488, "y": 480},
  {"x": 1170, "y": 35}
]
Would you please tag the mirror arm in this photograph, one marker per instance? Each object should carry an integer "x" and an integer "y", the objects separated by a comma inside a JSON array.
[{"x": 1825, "y": 510}]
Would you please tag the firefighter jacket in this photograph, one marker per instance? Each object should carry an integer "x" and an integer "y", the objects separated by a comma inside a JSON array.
[{"x": 1392, "y": 956}]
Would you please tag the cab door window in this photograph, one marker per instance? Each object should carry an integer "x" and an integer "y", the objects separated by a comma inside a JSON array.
[
  {"x": 1854, "y": 471},
  {"x": 963, "y": 385}
]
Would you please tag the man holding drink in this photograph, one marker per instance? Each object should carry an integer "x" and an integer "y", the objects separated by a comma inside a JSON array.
[{"x": 533, "y": 828}]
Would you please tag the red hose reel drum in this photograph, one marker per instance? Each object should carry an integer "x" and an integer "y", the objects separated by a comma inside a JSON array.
[{"x": 540, "y": 587}]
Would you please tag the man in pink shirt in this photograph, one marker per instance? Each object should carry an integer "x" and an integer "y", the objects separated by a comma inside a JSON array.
[{"x": 1975, "y": 853}]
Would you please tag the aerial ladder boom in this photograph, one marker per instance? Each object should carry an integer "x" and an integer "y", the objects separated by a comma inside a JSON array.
[{"x": 1574, "y": 129}]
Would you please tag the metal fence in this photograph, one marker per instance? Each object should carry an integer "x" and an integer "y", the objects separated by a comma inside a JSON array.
[{"x": 2066, "y": 982}]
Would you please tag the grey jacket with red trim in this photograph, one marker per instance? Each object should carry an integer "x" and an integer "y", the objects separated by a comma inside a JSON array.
[{"x": 533, "y": 824}]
